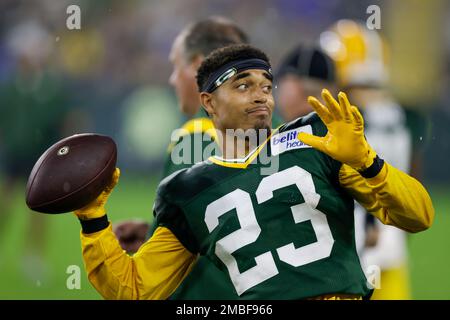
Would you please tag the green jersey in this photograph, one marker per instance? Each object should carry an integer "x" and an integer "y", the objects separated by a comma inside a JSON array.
[{"x": 288, "y": 234}]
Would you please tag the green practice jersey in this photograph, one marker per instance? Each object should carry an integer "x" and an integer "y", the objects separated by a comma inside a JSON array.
[{"x": 284, "y": 234}]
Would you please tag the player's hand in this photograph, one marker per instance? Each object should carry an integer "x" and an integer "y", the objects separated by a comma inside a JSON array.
[
  {"x": 96, "y": 208},
  {"x": 345, "y": 139},
  {"x": 131, "y": 234}
]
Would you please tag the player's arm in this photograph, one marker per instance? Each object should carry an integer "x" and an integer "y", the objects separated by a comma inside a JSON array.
[
  {"x": 154, "y": 272},
  {"x": 388, "y": 193},
  {"x": 394, "y": 197}
]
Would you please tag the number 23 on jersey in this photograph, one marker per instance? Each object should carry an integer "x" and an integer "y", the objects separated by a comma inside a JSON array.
[{"x": 250, "y": 230}]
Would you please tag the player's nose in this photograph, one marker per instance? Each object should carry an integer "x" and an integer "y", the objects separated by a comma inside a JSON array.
[{"x": 259, "y": 98}]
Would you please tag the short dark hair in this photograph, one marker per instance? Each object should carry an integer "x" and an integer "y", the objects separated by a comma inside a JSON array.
[
  {"x": 222, "y": 56},
  {"x": 204, "y": 36}
]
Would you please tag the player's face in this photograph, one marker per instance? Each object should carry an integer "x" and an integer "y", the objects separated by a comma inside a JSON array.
[
  {"x": 290, "y": 94},
  {"x": 243, "y": 102},
  {"x": 292, "y": 98},
  {"x": 183, "y": 78},
  {"x": 293, "y": 93}
]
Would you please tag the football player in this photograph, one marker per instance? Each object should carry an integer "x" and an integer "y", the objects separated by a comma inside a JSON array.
[
  {"x": 287, "y": 235},
  {"x": 188, "y": 51}
]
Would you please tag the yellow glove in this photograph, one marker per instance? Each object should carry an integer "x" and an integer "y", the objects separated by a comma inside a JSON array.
[
  {"x": 344, "y": 141},
  {"x": 96, "y": 208}
]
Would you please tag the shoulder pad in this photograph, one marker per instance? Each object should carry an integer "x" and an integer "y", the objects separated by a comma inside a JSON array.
[
  {"x": 188, "y": 182},
  {"x": 309, "y": 119},
  {"x": 197, "y": 125}
]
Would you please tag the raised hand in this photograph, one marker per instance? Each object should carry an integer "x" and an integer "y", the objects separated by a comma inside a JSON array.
[{"x": 345, "y": 139}]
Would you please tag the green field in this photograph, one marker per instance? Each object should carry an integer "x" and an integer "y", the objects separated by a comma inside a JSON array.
[{"x": 133, "y": 197}]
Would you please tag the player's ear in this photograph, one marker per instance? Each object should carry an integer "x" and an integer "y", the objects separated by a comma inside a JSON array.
[{"x": 206, "y": 99}]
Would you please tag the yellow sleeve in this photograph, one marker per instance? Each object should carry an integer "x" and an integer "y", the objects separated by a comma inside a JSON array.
[
  {"x": 154, "y": 272},
  {"x": 392, "y": 196}
]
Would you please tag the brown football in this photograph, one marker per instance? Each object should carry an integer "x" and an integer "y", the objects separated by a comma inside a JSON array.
[{"x": 71, "y": 173}]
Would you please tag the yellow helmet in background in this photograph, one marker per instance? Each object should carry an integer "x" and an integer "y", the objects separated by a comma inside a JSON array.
[{"x": 360, "y": 54}]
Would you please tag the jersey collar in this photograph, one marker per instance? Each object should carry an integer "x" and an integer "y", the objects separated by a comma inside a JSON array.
[{"x": 241, "y": 163}]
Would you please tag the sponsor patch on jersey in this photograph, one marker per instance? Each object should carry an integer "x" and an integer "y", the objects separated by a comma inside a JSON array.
[{"x": 288, "y": 140}]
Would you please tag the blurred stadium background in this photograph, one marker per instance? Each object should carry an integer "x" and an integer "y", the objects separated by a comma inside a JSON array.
[{"x": 111, "y": 77}]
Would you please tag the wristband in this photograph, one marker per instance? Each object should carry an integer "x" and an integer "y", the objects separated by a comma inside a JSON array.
[
  {"x": 94, "y": 225},
  {"x": 374, "y": 169}
]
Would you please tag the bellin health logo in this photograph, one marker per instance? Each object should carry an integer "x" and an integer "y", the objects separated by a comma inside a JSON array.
[{"x": 288, "y": 140}]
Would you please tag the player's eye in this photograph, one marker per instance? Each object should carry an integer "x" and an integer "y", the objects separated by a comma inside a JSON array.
[
  {"x": 267, "y": 88},
  {"x": 242, "y": 86}
]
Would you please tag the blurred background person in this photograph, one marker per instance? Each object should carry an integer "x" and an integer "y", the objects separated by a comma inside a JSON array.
[
  {"x": 33, "y": 108},
  {"x": 361, "y": 58},
  {"x": 304, "y": 72}
]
